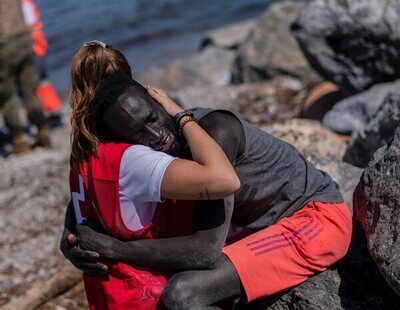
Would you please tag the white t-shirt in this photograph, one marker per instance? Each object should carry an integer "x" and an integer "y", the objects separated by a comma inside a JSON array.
[{"x": 141, "y": 173}]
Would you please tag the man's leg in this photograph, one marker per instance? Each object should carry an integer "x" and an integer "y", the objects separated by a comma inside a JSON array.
[
  {"x": 288, "y": 252},
  {"x": 28, "y": 80},
  {"x": 8, "y": 105},
  {"x": 201, "y": 289}
]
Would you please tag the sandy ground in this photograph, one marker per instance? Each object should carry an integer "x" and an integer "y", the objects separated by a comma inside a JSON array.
[{"x": 33, "y": 198}]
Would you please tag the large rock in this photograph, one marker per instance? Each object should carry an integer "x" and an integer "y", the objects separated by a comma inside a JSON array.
[
  {"x": 217, "y": 97},
  {"x": 278, "y": 99},
  {"x": 259, "y": 103},
  {"x": 378, "y": 132},
  {"x": 353, "y": 43},
  {"x": 270, "y": 49},
  {"x": 355, "y": 112},
  {"x": 228, "y": 37},
  {"x": 318, "y": 144},
  {"x": 211, "y": 66},
  {"x": 376, "y": 203}
]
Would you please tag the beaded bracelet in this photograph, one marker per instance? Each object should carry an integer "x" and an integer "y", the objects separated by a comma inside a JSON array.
[
  {"x": 178, "y": 116},
  {"x": 186, "y": 121}
]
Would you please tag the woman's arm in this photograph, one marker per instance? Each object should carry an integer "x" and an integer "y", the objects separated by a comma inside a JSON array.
[{"x": 209, "y": 176}]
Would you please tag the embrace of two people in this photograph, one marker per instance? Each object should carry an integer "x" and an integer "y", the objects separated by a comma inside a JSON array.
[{"x": 155, "y": 189}]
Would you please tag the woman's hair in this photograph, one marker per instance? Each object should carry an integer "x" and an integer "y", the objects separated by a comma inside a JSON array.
[{"x": 90, "y": 66}]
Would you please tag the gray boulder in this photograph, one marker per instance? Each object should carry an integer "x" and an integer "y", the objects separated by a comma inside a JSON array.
[
  {"x": 354, "y": 113},
  {"x": 378, "y": 132},
  {"x": 210, "y": 66},
  {"x": 376, "y": 204},
  {"x": 270, "y": 49},
  {"x": 228, "y": 37},
  {"x": 258, "y": 103},
  {"x": 353, "y": 43}
]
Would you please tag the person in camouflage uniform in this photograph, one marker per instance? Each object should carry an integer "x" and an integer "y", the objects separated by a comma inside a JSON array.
[{"x": 18, "y": 75}]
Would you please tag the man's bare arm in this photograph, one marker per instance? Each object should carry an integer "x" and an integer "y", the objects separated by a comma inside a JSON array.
[{"x": 199, "y": 250}]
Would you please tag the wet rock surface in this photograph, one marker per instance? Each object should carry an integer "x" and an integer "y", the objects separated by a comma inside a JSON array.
[
  {"x": 353, "y": 43},
  {"x": 270, "y": 49},
  {"x": 376, "y": 202}
]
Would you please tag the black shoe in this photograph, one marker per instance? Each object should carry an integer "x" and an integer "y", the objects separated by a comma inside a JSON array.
[{"x": 55, "y": 120}]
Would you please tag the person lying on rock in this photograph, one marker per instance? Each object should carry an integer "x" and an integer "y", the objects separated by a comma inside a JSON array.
[
  {"x": 116, "y": 185},
  {"x": 293, "y": 220}
]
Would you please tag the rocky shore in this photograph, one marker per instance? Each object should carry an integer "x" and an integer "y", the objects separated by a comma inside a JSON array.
[{"x": 265, "y": 70}]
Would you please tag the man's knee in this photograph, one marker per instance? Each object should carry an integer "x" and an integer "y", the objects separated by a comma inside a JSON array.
[{"x": 179, "y": 293}]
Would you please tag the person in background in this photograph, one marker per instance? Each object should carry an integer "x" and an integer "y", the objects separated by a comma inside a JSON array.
[
  {"x": 48, "y": 96},
  {"x": 18, "y": 75}
]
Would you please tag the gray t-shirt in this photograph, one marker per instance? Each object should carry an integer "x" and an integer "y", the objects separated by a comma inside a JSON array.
[{"x": 276, "y": 180}]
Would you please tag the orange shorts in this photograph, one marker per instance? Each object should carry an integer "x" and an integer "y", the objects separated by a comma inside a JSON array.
[{"x": 288, "y": 252}]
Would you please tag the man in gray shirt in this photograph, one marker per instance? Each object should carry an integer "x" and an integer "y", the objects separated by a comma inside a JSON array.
[{"x": 290, "y": 212}]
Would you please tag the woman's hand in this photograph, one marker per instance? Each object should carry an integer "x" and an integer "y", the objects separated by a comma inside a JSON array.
[
  {"x": 209, "y": 176},
  {"x": 162, "y": 98}
]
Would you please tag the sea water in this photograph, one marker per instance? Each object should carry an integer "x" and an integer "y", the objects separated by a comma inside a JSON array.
[{"x": 148, "y": 32}]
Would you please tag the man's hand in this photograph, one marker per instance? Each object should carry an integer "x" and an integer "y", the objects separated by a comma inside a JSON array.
[
  {"x": 97, "y": 242},
  {"x": 87, "y": 261}
]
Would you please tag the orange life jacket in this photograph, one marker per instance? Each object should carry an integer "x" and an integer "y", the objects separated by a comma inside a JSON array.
[{"x": 34, "y": 22}]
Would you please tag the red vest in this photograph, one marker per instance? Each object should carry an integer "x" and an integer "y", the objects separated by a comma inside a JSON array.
[{"x": 95, "y": 195}]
